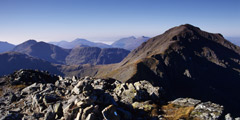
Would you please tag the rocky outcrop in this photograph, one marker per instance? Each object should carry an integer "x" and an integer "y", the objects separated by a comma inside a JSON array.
[
  {"x": 50, "y": 97},
  {"x": 187, "y": 108},
  {"x": 28, "y": 77}
]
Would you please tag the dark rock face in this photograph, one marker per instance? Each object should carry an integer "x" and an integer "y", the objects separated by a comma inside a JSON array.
[{"x": 95, "y": 99}]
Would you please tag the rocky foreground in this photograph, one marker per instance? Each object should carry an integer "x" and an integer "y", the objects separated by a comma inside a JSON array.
[{"x": 29, "y": 95}]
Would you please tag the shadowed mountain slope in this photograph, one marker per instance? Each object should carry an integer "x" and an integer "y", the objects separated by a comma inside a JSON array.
[
  {"x": 95, "y": 55},
  {"x": 13, "y": 61}
]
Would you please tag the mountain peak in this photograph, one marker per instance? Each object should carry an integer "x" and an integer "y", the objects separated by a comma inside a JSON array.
[
  {"x": 133, "y": 37},
  {"x": 31, "y": 41},
  {"x": 143, "y": 37},
  {"x": 183, "y": 29},
  {"x": 80, "y": 40},
  {"x": 188, "y": 32},
  {"x": 188, "y": 26}
]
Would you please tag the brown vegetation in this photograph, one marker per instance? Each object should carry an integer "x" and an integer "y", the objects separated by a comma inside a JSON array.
[{"x": 175, "y": 112}]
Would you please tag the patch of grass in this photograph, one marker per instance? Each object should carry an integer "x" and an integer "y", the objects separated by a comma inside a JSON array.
[
  {"x": 154, "y": 112},
  {"x": 175, "y": 112},
  {"x": 1, "y": 92},
  {"x": 151, "y": 109},
  {"x": 17, "y": 87}
]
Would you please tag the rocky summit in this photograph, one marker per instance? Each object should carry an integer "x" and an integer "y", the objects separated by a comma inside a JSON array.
[{"x": 30, "y": 95}]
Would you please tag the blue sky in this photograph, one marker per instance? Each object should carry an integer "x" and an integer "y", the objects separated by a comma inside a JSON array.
[{"x": 109, "y": 20}]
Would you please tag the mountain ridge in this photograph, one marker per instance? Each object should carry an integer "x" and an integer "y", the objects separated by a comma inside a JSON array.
[
  {"x": 79, "y": 41},
  {"x": 43, "y": 51},
  {"x": 5, "y": 46},
  {"x": 58, "y": 55}
]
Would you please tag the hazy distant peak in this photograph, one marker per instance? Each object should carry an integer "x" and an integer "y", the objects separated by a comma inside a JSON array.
[
  {"x": 81, "y": 42},
  {"x": 30, "y": 41},
  {"x": 130, "y": 43},
  {"x": 80, "y": 39},
  {"x": 132, "y": 37},
  {"x": 6, "y": 43},
  {"x": 42, "y": 42},
  {"x": 143, "y": 37},
  {"x": 3, "y": 42},
  {"x": 63, "y": 41}
]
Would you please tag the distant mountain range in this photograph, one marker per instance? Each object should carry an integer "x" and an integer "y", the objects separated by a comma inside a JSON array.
[
  {"x": 5, "y": 46},
  {"x": 130, "y": 43},
  {"x": 78, "y": 55},
  {"x": 77, "y": 42}
]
